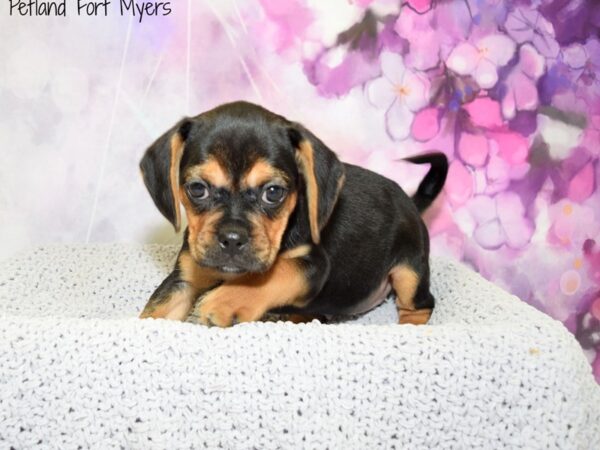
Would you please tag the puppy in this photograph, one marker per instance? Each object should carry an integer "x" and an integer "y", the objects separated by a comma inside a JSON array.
[{"x": 277, "y": 223}]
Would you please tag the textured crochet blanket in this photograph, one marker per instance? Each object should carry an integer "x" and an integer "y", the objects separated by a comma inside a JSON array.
[{"x": 78, "y": 369}]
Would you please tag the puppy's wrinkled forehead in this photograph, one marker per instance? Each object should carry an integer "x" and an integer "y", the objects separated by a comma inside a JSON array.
[{"x": 238, "y": 153}]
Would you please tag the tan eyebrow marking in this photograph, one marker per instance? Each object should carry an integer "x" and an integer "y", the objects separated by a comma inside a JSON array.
[
  {"x": 212, "y": 172},
  {"x": 260, "y": 173}
]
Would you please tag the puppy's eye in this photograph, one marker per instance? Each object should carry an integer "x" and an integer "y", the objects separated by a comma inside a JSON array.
[
  {"x": 273, "y": 194},
  {"x": 198, "y": 190}
]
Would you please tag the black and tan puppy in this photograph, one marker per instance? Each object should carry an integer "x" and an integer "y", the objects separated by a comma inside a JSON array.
[{"x": 277, "y": 222}]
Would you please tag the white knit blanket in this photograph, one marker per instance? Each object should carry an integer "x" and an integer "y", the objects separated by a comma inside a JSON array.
[{"x": 78, "y": 369}]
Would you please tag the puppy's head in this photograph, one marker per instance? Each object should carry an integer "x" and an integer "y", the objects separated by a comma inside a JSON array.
[{"x": 244, "y": 175}]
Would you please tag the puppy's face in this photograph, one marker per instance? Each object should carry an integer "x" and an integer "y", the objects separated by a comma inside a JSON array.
[
  {"x": 239, "y": 171},
  {"x": 238, "y": 188}
]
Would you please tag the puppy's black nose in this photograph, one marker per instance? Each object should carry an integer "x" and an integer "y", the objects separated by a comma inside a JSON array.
[{"x": 232, "y": 239}]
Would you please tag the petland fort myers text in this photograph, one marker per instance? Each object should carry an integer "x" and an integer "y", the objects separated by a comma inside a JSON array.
[{"x": 58, "y": 8}]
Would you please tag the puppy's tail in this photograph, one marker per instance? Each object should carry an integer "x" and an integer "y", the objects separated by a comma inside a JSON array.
[{"x": 433, "y": 182}]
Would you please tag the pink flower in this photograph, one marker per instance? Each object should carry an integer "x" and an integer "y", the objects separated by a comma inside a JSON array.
[
  {"x": 507, "y": 161},
  {"x": 423, "y": 38},
  {"x": 499, "y": 173},
  {"x": 420, "y": 6},
  {"x": 482, "y": 59},
  {"x": 459, "y": 183},
  {"x": 431, "y": 32},
  {"x": 473, "y": 149},
  {"x": 484, "y": 112},
  {"x": 496, "y": 154},
  {"x": 512, "y": 147},
  {"x": 426, "y": 124},
  {"x": 582, "y": 184},
  {"x": 401, "y": 91},
  {"x": 522, "y": 93},
  {"x": 571, "y": 223}
]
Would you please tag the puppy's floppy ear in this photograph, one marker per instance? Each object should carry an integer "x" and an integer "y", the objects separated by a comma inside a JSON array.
[
  {"x": 160, "y": 170},
  {"x": 323, "y": 175}
]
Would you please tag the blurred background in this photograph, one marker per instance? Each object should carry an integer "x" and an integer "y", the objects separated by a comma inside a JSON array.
[{"x": 510, "y": 91}]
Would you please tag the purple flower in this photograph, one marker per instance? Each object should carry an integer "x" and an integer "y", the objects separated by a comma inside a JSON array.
[
  {"x": 521, "y": 90},
  {"x": 528, "y": 25},
  {"x": 584, "y": 61},
  {"x": 573, "y": 83},
  {"x": 500, "y": 220},
  {"x": 401, "y": 91}
]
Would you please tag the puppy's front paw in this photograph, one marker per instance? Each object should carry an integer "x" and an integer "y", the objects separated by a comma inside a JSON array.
[{"x": 224, "y": 307}]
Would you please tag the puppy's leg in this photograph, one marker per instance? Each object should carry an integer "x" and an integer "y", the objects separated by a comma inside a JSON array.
[
  {"x": 413, "y": 299},
  {"x": 176, "y": 295},
  {"x": 294, "y": 279},
  {"x": 173, "y": 299}
]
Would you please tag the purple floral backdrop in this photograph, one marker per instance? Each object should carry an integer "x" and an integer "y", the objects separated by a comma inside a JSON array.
[{"x": 510, "y": 91}]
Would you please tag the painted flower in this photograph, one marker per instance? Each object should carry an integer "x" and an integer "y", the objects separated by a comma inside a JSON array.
[
  {"x": 528, "y": 25},
  {"x": 499, "y": 174},
  {"x": 420, "y": 6},
  {"x": 497, "y": 221},
  {"x": 484, "y": 112},
  {"x": 574, "y": 177},
  {"x": 571, "y": 223},
  {"x": 521, "y": 84},
  {"x": 497, "y": 154},
  {"x": 482, "y": 59},
  {"x": 401, "y": 92},
  {"x": 431, "y": 33},
  {"x": 473, "y": 148},
  {"x": 582, "y": 185},
  {"x": 584, "y": 61},
  {"x": 422, "y": 37},
  {"x": 573, "y": 83},
  {"x": 426, "y": 124},
  {"x": 459, "y": 183}
]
